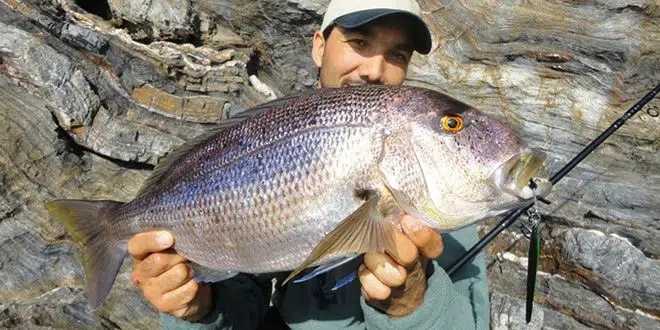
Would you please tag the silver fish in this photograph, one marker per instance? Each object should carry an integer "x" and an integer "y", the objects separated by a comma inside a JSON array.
[{"x": 313, "y": 179}]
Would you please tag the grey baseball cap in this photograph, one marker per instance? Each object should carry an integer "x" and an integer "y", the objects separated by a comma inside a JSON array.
[{"x": 354, "y": 13}]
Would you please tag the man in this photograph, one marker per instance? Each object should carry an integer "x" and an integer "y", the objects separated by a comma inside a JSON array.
[{"x": 360, "y": 42}]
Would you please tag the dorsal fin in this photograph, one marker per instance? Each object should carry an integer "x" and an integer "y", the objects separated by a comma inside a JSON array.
[{"x": 164, "y": 166}]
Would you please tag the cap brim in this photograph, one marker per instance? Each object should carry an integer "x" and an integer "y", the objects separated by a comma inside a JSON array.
[{"x": 420, "y": 32}]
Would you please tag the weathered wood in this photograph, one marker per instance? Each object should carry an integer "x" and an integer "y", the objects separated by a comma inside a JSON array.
[{"x": 93, "y": 94}]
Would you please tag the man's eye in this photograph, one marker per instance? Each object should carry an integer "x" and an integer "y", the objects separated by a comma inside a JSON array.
[
  {"x": 401, "y": 57},
  {"x": 357, "y": 43}
]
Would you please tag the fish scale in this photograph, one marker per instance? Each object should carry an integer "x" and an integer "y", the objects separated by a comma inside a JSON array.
[
  {"x": 272, "y": 166},
  {"x": 310, "y": 179}
]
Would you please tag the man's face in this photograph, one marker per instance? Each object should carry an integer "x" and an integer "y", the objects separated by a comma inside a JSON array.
[{"x": 375, "y": 53}]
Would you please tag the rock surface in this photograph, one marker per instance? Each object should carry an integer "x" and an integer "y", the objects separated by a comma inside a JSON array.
[{"x": 94, "y": 93}]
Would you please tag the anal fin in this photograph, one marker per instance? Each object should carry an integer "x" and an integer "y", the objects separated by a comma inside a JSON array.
[
  {"x": 344, "y": 280},
  {"x": 325, "y": 268},
  {"x": 206, "y": 275}
]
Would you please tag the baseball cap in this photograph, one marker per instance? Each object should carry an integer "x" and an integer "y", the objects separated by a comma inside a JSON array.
[{"x": 353, "y": 13}]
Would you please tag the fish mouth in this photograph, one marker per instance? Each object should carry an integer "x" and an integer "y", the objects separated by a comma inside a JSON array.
[{"x": 523, "y": 175}]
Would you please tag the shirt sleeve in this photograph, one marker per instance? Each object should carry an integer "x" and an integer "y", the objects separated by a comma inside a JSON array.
[
  {"x": 238, "y": 303},
  {"x": 471, "y": 280},
  {"x": 460, "y": 302}
]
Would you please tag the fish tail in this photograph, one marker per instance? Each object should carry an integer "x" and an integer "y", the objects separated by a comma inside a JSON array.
[{"x": 102, "y": 256}]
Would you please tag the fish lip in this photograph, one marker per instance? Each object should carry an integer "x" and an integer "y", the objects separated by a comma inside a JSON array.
[{"x": 513, "y": 176}]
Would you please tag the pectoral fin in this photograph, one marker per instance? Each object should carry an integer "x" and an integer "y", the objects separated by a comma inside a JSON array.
[{"x": 365, "y": 230}]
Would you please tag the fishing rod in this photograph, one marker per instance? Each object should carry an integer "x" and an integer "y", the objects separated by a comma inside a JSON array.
[{"x": 513, "y": 216}]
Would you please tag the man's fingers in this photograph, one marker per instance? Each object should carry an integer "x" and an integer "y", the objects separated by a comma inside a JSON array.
[
  {"x": 178, "y": 298},
  {"x": 143, "y": 244},
  {"x": 406, "y": 251},
  {"x": 372, "y": 288},
  {"x": 156, "y": 264},
  {"x": 426, "y": 239},
  {"x": 365, "y": 294},
  {"x": 198, "y": 307},
  {"x": 170, "y": 280},
  {"x": 386, "y": 270}
]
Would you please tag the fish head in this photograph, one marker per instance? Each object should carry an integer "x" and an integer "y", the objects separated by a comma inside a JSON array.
[{"x": 474, "y": 166}]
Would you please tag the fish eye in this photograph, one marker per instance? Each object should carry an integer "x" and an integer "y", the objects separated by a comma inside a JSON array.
[{"x": 452, "y": 123}]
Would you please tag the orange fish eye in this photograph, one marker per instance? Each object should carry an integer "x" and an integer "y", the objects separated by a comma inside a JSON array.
[{"x": 452, "y": 123}]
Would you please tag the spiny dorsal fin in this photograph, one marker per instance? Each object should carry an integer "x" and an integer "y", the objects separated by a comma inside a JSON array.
[
  {"x": 164, "y": 166},
  {"x": 365, "y": 230}
]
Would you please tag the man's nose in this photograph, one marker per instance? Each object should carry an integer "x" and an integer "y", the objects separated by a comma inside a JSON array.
[{"x": 372, "y": 70}]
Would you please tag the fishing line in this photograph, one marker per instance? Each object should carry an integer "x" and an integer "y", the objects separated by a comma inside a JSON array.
[{"x": 513, "y": 216}]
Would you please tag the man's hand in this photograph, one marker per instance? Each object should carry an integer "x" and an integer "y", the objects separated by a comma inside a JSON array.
[
  {"x": 166, "y": 277},
  {"x": 397, "y": 286}
]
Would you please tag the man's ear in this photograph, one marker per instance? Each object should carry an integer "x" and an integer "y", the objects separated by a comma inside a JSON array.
[{"x": 318, "y": 46}]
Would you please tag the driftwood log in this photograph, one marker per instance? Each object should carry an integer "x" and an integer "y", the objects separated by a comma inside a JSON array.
[{"x": 94, "y": 93}]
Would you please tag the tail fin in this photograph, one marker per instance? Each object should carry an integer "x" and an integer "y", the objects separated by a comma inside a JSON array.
[{"x": 102, "y": 257}]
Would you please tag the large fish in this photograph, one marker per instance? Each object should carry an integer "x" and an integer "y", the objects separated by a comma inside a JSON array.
[{"x": 313, "y": 179}]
